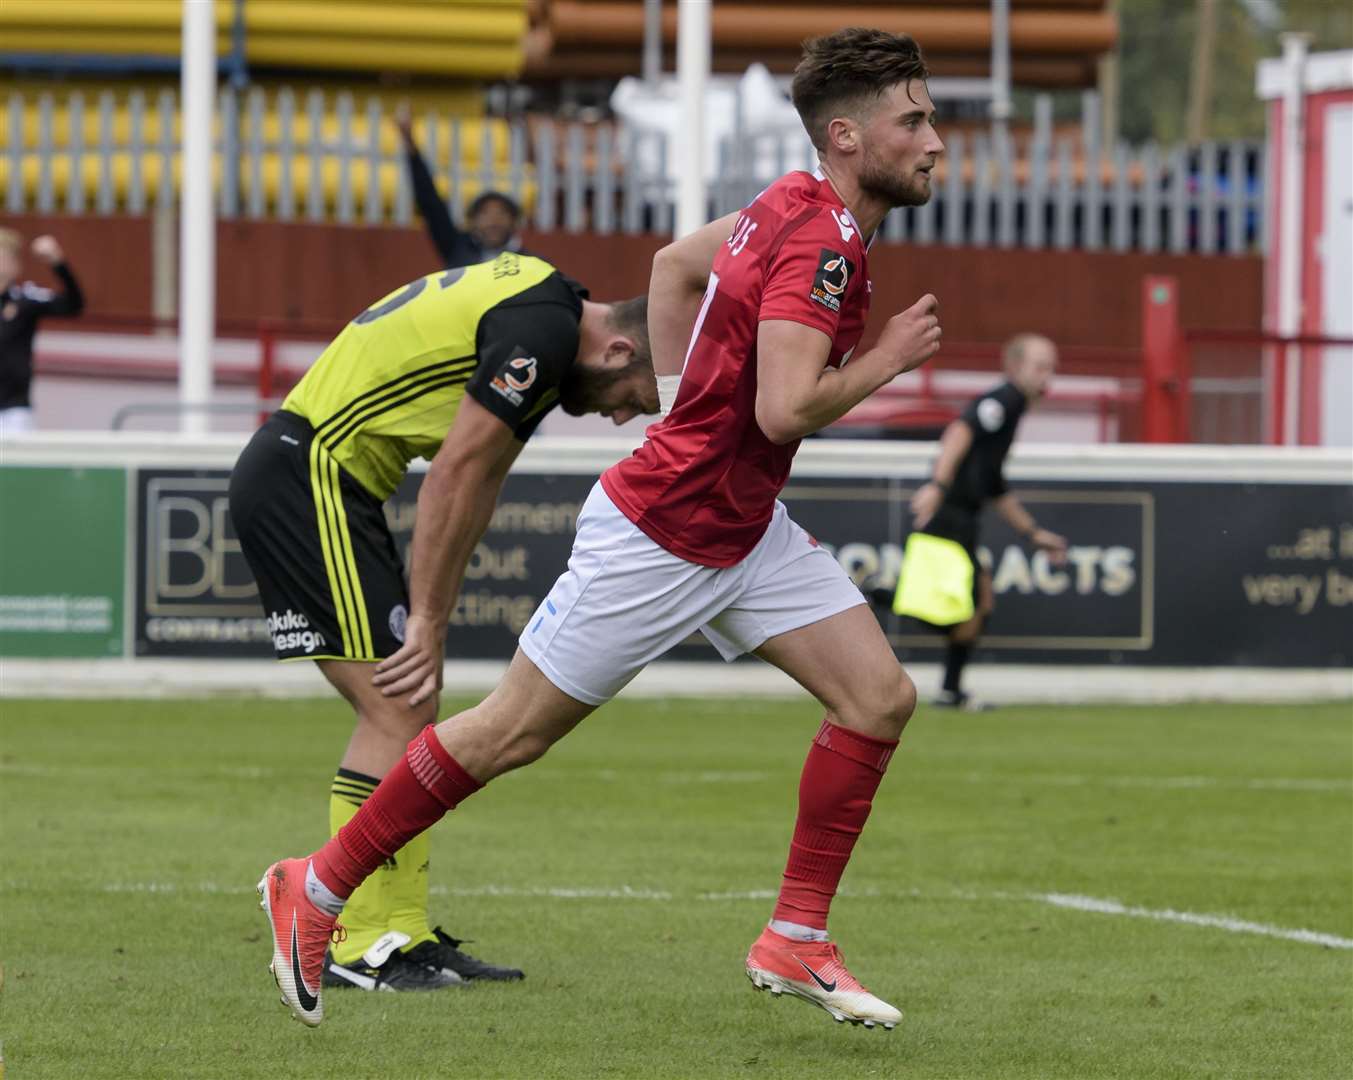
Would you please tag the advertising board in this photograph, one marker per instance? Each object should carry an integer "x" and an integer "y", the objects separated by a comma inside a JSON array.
[
  {"x": 62, "y": 555},
  {"x": 1180, "y": 574}
]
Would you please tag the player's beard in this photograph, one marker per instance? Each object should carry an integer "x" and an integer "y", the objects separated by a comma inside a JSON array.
[
  {"x": 895, "y": 190},
  {"x": 581, "y": 389}
]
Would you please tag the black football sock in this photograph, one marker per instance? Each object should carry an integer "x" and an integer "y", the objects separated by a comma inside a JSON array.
[{"x": 955, "y": 659}]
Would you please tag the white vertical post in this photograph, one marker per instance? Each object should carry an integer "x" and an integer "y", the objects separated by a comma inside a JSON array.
[
  {"x": 1292, "y": 167},
  {"x": 197, "y": 215},
  {"x": 693, "y": 61}
]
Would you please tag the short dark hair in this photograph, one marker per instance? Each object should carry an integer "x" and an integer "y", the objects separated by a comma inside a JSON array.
[
  {"x": 485, "y": 197},
  {"x": 630, "y": 317},
  {"x": 847, "y": 71}
]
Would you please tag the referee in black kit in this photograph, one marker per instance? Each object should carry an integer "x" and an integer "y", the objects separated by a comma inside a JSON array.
[{"x": 942, "y": 582}]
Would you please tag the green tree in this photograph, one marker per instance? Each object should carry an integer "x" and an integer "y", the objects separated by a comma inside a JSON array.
[
  {"x": 1156, "y": 48},
  {"x": 1330, "y": 21}
]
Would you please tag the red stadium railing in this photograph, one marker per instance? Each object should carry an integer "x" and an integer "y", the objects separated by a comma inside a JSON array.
[
  {"x": 1210, "y": 385},
  {"x": 921, "y": 407},
  {"x": 267, "y": 374},
  {"x": 1286, "y": 371}
]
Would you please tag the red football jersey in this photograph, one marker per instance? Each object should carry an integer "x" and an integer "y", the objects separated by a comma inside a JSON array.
[{"x": 705, "y": 481}]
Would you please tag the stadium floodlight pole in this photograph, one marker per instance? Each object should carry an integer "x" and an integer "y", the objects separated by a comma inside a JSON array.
[
  {"x": 197, "y": 215},
  {"x": 1292, "y": 173},
  {"x": 1001, "y": 107},
  {"x": 693, "y": 56},
  {"x": 652, "y": 41}
]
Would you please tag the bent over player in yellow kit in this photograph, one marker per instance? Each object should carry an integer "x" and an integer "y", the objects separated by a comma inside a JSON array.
[{"x": 458, "y": 367}]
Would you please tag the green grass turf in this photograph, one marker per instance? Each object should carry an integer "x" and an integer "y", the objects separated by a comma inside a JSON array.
[{"x": 131, "y": 835}]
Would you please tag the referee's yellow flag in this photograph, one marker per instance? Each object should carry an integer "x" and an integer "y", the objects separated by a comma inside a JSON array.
[{"x": 935, "y": 585}]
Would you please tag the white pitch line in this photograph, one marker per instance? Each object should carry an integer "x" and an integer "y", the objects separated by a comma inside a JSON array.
[
  {"x": 556, "y": 892},
  {"x": 1218, "y": 922},
  {"x": 210, "y": 888},
  {"x": 1065, "y": 901},
  {"x": 1163, "y": 783}
]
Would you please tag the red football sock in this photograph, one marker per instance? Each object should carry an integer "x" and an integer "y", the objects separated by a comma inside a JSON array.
[
  {"x": 836, "y": 791},
  {"x": 415, "y": 794}
]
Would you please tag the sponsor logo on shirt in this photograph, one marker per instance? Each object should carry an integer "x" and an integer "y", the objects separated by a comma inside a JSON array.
[
  {"x": 831, "y": 279},
  {"x": 399, "y": 621},
  {"x": 517, "y": 375},
  {"x": 843, "y": 223},
  {"x": 990, "y": 414},
  {"x": 291, "y": 630},
  {"x": 521, "y": 372}
]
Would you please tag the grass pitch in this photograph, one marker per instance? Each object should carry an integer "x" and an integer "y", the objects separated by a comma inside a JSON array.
[{"x": 1025, "y": 892}]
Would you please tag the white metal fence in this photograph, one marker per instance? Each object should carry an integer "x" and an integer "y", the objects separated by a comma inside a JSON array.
[{"x": 327, "y": 158}]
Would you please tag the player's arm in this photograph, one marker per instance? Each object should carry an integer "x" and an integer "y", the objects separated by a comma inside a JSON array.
[
  {"x": 454, "y": 247},
  {"x": 797, "y": 393},
  {"x": 954, "y": 446},
  {"x": 455, "y": 504},
  {"x": 675, "y": 289},
  {"x": 71, "y": 300},
  {"x": 525, "y": 350},
  {"x": 1014, "y": 514}
]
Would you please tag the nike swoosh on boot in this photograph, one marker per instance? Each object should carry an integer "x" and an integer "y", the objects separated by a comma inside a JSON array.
[
  {"x": 307, "y": 1000},
  {"x": 828, "y": 987}
]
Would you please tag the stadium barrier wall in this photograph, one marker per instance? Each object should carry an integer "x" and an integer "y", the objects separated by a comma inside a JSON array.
[
  {"x": 325, "y": 273},
  {"x": 1180, "y": 556}
]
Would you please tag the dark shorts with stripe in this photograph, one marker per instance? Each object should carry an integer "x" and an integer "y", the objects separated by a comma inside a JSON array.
[{"x": 329, "y": 576}]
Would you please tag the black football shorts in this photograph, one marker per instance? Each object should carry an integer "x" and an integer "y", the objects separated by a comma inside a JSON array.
[{"x": 328, "y": 573}]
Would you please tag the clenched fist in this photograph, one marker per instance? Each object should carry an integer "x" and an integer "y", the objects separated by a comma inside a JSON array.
[
  {"x": 48, "y": 250},
  {"x": 913, "y": 336}
]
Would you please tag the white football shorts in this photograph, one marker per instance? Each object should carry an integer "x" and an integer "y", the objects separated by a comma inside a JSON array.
[{"x": 625, "y": 600}]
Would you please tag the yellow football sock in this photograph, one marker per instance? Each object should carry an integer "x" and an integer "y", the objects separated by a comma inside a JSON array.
[
  {"x": 366, "y": 915},
  {"x": 408, "y": 891},
  {"x": 395, "y": 897}
]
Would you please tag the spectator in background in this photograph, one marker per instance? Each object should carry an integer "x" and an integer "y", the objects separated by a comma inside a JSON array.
[
  {"x": 22, "y": 304},
  {"x": 493, "y": 218},
  {"x": 942, "y": 583}
]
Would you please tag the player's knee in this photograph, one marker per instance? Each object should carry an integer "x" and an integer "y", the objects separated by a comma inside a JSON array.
[
  {"x": 902, "y": 700},
  {"x": 967, "y": 633},
  {"x": 515, "y": 744},
  {"x": 394, "y": 717},
  {"x": 523, "y": 748},
  {"x": 516, "y": 748},
  {"x": 883, "y": 708}
]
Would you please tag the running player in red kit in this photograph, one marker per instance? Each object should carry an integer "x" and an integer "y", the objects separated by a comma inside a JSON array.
[{"x": 688, "y": 534}]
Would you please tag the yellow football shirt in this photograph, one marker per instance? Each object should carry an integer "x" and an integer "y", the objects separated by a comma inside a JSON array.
[{"x": 388, "y": 388}]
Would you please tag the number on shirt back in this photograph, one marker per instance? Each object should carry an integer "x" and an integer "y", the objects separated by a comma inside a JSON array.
[
  {"x": 710, "y": 290},
  {"x": 410, "y": 292},
  {"x": 742, "y": 232}
]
